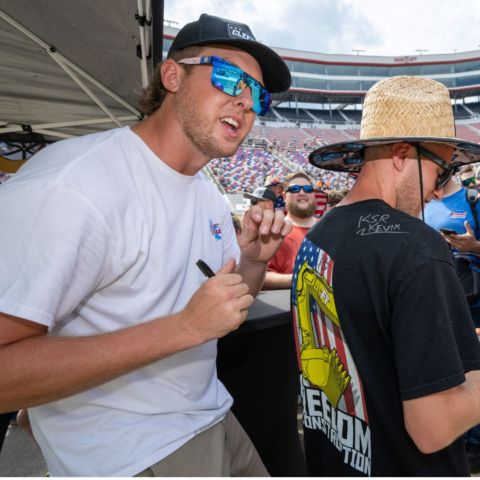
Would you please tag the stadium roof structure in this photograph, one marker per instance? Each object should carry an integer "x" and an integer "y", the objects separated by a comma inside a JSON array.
[
  {"x": 345, "y": 79},
  {"x": 324, "y": 78}
]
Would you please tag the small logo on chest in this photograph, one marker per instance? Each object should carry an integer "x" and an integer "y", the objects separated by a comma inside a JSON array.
[{"x": 215, "y": 230}]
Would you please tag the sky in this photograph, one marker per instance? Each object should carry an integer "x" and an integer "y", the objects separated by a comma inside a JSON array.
[{"x": 377, "y": 27}]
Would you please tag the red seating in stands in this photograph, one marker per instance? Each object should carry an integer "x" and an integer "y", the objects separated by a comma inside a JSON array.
[
  {"x": 250, "y": 167},
  {"x": 468, "y": 132}
]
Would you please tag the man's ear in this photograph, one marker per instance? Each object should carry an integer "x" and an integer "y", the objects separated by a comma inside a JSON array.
[
  {"x": 400, "y": 154},
  {"x": 171, "y": 73}
]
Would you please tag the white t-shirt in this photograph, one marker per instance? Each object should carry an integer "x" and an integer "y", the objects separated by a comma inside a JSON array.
[{"x": 99, "y": 234}]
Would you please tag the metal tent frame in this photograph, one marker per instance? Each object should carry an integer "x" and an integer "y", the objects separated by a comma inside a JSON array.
[{"x": 66, "y": 89}]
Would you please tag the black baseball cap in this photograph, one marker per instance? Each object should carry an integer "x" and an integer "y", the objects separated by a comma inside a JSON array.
[{"x": 209, "y": 29}]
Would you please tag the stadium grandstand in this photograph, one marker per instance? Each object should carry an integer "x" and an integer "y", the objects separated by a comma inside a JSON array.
[{"x": 323, "y": 106}]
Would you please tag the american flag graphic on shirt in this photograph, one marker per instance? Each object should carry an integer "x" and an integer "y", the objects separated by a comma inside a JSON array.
[{"x": 331, "y": 388}]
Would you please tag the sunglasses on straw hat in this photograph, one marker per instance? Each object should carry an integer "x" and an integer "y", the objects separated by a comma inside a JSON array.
[{"x": 400, "y": 109}]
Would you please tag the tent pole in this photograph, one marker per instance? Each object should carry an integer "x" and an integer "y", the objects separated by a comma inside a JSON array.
[
  {"x": 148, "y": 31},
  {"x": 143, "y": 59},
  {"x": 54, "y": 134},
  {"x": 157, "y": 31}
]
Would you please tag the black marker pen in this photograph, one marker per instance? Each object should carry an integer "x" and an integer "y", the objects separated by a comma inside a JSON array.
[{"x": 205, "y": 269}]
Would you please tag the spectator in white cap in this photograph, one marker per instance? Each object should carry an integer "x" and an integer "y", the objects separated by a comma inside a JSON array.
[{"x": 263, "y": 197}]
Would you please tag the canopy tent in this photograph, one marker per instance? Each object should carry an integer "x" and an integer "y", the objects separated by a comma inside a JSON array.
[{"x": 68, "y": 68}]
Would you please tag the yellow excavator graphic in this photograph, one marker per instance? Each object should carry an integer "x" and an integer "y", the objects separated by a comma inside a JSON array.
[{"x": 322, "y": 367}]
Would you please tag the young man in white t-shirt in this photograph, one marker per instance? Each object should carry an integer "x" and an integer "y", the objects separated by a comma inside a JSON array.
[{"x": 108, "y": 329}]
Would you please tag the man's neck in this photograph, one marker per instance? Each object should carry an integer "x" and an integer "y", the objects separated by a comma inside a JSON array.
[
  {"x": 301, "y": 222},
  {"x": 163, "y": 135}
]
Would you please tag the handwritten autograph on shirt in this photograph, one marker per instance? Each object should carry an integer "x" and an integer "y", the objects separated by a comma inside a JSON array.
[{"x": 371, "y": 224}]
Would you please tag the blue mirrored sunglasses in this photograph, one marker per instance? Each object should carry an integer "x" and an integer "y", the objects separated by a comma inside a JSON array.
[
  {"x": 232, "y": 80},
  {"x": 297, "y": 188}
]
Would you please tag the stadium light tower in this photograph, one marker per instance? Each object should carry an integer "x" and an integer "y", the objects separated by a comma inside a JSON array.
[
  {"x": 358, "y": 50},
  {"x": 421, "y": 50}
]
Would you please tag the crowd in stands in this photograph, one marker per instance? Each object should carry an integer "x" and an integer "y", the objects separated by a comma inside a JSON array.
[
  {"x": 251, "y": 165},
  {"x": 246, "y": 170}
]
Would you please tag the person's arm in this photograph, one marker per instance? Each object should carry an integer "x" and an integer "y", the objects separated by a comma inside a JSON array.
[
  {"x": 434, "y": 343},
  {"x": 465, "y": 242},
  {"x": 262, "y": 234},
  {"x": 37, "y": 368},
  {"x": 435, "y": 421},
  {"x": 275, "y": 280}
]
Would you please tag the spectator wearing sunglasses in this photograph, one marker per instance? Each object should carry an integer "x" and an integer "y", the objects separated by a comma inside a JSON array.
[
  {"x": 125, "y": 381},
  {"x": 468, "y": 178},
  {"x": 300, "y": 204},
  {"x": 386, "y": 345},
  {"x": 455, "y": 216}
]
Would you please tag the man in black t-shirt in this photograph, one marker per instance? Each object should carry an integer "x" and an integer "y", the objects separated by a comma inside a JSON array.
[{"x": 386, "y": 346}]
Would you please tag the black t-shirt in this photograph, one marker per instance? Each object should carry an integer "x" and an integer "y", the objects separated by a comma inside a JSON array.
[{"x": 380, "y": 317}]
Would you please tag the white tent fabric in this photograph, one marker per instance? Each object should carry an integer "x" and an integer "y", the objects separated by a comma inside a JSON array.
[{"x": 70, "y": 67}]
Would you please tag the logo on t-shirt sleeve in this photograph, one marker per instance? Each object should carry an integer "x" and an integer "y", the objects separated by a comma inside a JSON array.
[{"x": 215, "y": 230}]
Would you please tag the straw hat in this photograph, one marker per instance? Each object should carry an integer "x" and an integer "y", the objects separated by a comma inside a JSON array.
[{"x": 399, "y": 109}]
